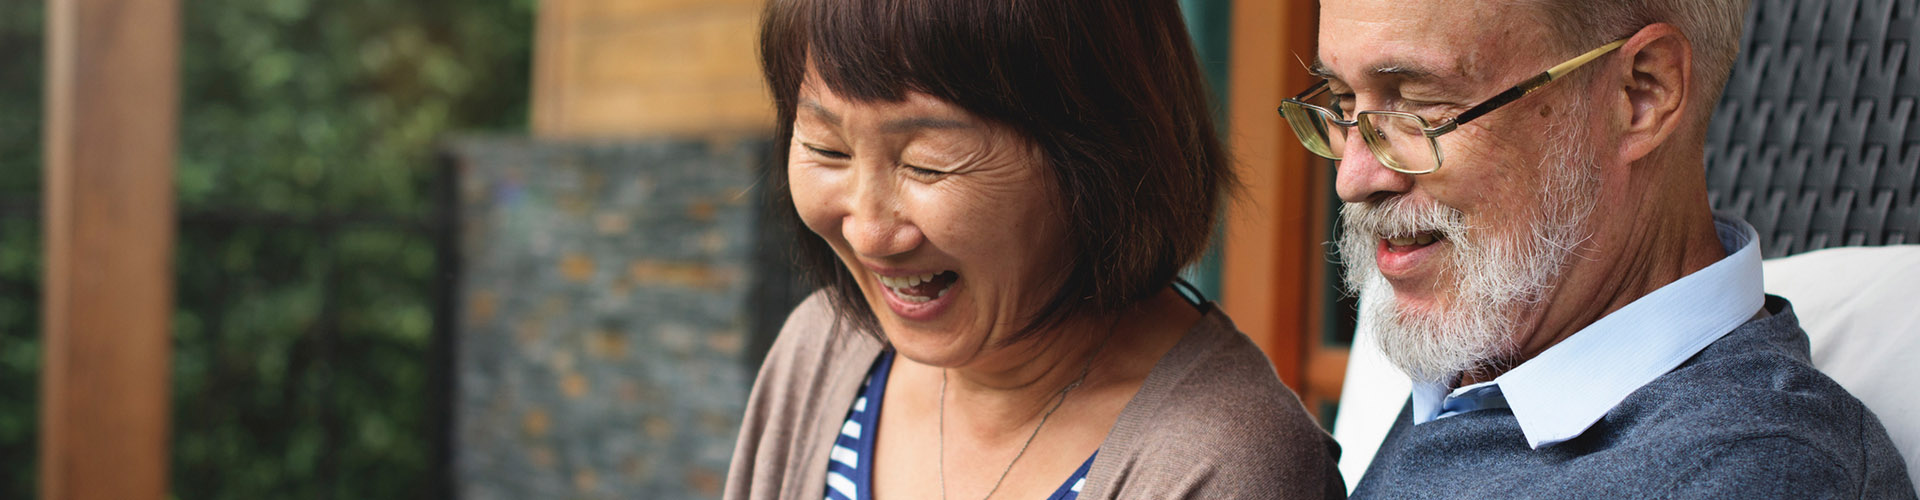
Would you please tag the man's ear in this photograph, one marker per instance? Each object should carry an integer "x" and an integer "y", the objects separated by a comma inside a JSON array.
[{"x": 1656, "y": 89}]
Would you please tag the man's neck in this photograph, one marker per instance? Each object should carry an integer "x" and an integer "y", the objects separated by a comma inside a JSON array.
[{"x": 1668, "y": 235}]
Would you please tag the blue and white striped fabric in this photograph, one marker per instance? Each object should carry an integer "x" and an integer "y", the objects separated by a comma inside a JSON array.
[
  {"x": 1071, "y": 489},
  {"x": 850, "y": 474}
]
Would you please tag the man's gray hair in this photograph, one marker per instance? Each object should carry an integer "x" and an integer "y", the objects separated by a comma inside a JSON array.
[{"x": 1713, "y": 26}]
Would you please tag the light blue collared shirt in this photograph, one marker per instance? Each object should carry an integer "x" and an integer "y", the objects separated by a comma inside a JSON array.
[{"x": 1560, "y": 393}]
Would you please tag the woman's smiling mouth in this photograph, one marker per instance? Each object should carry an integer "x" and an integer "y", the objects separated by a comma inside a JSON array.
[
  {"x": 918, "y": 297},
  {"x": 919, "y": 288}
]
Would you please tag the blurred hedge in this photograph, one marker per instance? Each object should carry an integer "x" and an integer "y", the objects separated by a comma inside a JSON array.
[{"x": 305, "y": 270}]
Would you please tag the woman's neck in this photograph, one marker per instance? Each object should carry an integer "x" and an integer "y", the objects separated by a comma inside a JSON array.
[
  {"x": 1009, "y": 391},
  {"x": 1012, "y": 389}
]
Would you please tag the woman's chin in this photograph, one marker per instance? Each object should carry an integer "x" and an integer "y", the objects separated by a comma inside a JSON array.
[
  {"x": 933, "y": 346},
  {"x": 943, "y": 331}
]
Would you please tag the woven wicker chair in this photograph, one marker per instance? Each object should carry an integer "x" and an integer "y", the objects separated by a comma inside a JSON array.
[{"x": 1815, "y": 141}]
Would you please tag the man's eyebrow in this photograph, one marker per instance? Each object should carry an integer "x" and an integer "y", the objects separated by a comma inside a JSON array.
[
  {"x": 1319, "y": 69},
  {"x": 1399, "y": 70},
  {"x": 1402, "y": 71}
]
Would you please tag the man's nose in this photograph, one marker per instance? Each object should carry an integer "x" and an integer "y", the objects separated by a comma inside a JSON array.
[{"x": 1361, "y": 177}]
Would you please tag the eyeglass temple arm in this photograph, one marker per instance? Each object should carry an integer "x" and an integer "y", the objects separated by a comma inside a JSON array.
[{"x": 1524, "y": 88}]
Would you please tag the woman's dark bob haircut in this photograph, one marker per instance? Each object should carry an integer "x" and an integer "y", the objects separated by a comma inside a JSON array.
[{"x": 1107, "y": 91}]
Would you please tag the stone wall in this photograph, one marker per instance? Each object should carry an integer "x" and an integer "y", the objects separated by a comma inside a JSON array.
[{"x": 607, "y": 321}]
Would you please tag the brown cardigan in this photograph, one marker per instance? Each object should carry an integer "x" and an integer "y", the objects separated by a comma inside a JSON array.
[{"x": 1210, "y": 421}]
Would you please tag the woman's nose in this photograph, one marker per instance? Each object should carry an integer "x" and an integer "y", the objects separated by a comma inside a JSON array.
[{"x": 877, "y": 223}]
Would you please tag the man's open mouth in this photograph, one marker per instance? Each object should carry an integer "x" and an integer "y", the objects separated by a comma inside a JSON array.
[{"x": 1410, "y": 242}]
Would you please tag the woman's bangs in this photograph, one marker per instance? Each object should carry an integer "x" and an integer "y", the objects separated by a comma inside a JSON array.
[{"x": 879, "y": 50}]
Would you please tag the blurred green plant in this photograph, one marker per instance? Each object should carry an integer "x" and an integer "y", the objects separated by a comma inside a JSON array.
[
  {"x": 20, "y": 56},
  {"x": 305, "y": 261}
]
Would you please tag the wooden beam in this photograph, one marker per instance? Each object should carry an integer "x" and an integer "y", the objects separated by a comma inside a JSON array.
[
  {"x": 112, "y": 92},
  {"x": 647, "y": 68},
  {"x": 1270, "y": 269},
  {"x": 551, "y": 95}
]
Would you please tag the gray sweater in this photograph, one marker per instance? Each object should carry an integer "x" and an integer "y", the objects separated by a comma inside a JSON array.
[
  {"x": 1747, "y": 417},
  {"x": 1210, "y": 421}
]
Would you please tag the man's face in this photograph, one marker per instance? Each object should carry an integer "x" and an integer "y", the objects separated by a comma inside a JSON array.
[{"x": 1455, "y": 263}]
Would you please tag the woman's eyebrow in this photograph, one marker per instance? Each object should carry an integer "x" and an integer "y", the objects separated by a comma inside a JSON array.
[
  {"x": 895, "y": 126},
  {"x": 821, "y": 111},
  {"x": 923, "y": 122}
]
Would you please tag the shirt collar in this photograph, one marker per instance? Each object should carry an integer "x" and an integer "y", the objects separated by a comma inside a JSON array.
[{"x": 1557, "y": 395}]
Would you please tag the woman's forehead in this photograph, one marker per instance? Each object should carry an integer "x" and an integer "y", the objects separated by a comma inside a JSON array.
[{"x": 915, "y": 110}]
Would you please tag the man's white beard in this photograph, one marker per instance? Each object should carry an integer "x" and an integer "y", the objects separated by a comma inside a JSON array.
[{"x": 1495, "y": 278}]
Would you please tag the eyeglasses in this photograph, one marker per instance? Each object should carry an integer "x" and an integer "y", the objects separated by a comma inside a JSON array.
[{"x": 1404, "y": 142}]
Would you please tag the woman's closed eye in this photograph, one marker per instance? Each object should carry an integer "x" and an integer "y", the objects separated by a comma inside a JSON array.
[
  {"x": 825, "y": 153},
  {"x": 926, "y": 174}
]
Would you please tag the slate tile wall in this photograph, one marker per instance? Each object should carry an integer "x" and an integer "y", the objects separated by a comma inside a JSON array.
[{"x": 607, "y": 321}]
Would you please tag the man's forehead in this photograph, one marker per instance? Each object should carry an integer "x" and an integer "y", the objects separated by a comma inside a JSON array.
[{"x": 1451, "y": 41}]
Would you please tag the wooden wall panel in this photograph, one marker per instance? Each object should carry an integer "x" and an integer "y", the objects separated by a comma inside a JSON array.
[
  {"x": 635, "y": 68},
  {"x": 111, "y": 112}
]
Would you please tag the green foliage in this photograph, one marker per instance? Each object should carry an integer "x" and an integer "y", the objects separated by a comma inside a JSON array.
[
  {"x": 297, "y": 106},
  {"x": 20, "y": 54},
  {"x": 306, "y": 263}
]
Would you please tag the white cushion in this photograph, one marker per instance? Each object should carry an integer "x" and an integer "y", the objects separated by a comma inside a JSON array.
[
  {"x": 1859, "y": 305},
  {"x": 1370, "y": 399},
  {"x": 1861, "y": 309}
]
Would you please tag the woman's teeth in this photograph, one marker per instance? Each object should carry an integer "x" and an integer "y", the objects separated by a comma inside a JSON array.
[
  {"x": 905, "y": 281},
  {"x": 909, "y": 289}
]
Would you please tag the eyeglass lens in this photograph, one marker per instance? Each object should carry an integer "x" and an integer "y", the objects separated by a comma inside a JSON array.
[
  {"x": 1400, "y": 142},
  {"x": 1315, "y": 127}
]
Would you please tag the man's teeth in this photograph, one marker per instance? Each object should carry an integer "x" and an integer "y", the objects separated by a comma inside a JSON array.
[{"x": 1405, "y": 241}]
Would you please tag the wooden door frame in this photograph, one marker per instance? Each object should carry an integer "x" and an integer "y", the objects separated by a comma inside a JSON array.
[{"x": 1273, "y": 272}]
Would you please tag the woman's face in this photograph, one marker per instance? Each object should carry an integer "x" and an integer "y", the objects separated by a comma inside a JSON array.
[{"x": 946, "y": 221}]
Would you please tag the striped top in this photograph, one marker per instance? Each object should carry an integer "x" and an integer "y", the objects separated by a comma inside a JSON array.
[{"x": 849, "y": 477}]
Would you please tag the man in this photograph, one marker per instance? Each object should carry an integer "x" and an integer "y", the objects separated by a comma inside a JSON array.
[{"x": 1541, "y": 259}]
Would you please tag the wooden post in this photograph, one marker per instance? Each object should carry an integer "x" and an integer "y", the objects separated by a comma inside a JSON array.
[
  {"x": 111, "y": 110},
  {"x": 1272, "y": 274}
]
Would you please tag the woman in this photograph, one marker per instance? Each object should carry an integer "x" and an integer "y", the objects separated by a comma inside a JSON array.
[{"x": 996, "y": 197}]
